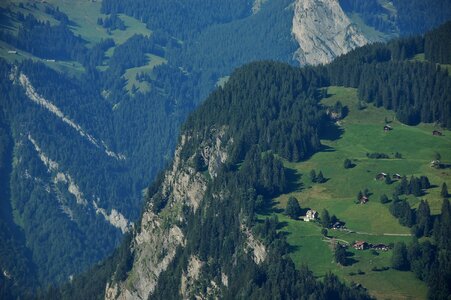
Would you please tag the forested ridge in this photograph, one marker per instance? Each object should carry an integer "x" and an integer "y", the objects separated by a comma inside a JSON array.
[
  {"x": 214, "y": 232},
  {"x": 386, "y": 76},
  {"x": 399, "y": 15},
  {"x": 257, "y": 105},
  {"x": 186, "y": 18},
  {"x": 140, "y": 125}
]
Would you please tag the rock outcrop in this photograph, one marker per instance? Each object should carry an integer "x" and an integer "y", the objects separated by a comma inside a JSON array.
[
  {"x": 323, "y": 31},
  {"x": 155, "y": 242}
]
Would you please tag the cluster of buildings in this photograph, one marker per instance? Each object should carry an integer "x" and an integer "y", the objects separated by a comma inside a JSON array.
[
  {"x": 383, "y": 176},
  {"x": 362, "y": 245}
]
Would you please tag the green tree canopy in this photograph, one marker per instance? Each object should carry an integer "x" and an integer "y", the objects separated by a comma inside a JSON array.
[
  {"x": 340, "y": 255},
  {"x": 293, "y": 209},
  {"x": 399, "y": 259},
  {"x": 325, "y": 218}
]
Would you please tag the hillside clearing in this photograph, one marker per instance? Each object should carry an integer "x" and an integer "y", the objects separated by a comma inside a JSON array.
[{"x": 359, "y": 133}]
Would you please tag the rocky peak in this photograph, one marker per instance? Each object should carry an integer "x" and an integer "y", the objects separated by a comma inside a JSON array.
[{"x": 323, "y": 31}]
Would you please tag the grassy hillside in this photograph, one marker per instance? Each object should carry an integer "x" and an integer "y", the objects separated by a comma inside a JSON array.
[
  {"x": 359, "y": 133},
  {"x": 83, "y": 14}
]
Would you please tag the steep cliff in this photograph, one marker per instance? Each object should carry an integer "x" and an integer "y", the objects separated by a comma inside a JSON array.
[
  {"x": 323, "y": 31},
  {"x": 156, "y": 241}
]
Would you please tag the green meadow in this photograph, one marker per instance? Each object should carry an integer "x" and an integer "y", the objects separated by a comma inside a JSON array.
[
  {"x": 361, "y": 132},
  {"x": 84, "y": 15}
]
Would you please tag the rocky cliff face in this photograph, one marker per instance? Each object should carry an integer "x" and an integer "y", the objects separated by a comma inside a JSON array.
[
  {"x": 155, "y": 242},
  {"x": 323, "y": 31}
]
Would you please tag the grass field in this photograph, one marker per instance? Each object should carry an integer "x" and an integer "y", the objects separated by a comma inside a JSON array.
[
  {"x": 358, "y": 133},
  {"x": 130, "y": 74},
  {"x": 84, "y": 15}
]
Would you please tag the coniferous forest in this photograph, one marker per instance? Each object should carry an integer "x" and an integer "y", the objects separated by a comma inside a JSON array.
[
  {"x": 258, "y": 105},
  {"x": 62, "y": 185}
]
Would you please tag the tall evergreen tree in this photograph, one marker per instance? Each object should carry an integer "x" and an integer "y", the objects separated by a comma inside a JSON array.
[
  {"x": 444, "y": 191},
  {"x": 325, "y": 218},
  {"x": 423, "y": 218},
  {"x": 399, "y": 259},
  {"x": 347, "y": 163},
  {"x": 384, "y": 199},
  {"x": 340, "y": 255},
  {"x": 313, "y": 176},
  {"x": 293, "y": 209},
  {"x": 320, "y": 178},
  {"x": 445, "y": 226}
]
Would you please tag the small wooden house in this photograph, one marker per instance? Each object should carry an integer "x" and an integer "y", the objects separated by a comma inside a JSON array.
[
  {"x": 310, "y": 215},
  {"x": 397, "y": 176},
  {"x": 364, "y": 200},
  {"x": 381, "y": 247},
  {"x": 338, "y": 225},
  {"x": 360, "y": 245},
  {"x": 437, "y": 133},
  {"x": 436, "y": 164},
  {"x": 381, "y": 176},
  {"x": 387, "y": 128}
]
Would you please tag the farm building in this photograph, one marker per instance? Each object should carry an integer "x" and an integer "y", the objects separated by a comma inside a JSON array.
[
  {"x": 437, "y": 133},
  {"x": 381, "y": 247},
  {"x": 436, "y": 164},
  {"x": 364, "y": 200},
  {"x": 381, "y": 176},
  {"x": 310, "y": 215},
  {"x": 397, "y": 176},
  {"x": 360, "y": 245},
  {"x": 387, "y": 128},
  {"x": 338, "y": 225}
]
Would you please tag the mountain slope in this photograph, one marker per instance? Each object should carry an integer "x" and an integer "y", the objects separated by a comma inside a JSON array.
[
  {"x": 208, "y": 228},
  {"x": 200, "y": 216},
  {"x": 94, "y": 95}
]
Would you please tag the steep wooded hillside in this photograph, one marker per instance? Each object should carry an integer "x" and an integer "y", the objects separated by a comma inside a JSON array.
[{"x": 213, "y": 206}]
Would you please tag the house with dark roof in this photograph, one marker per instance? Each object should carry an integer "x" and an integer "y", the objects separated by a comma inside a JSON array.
[
  {"x": 360, "y": 245},
  {"x": 437, "y": 133}
]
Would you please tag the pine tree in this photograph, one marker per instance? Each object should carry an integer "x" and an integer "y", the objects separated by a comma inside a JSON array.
[
  {"x": 444, "y": 192},
  {"x": 313, "y": 175},
  {"x": 347, "y": 163},
  {"x": 340, "y": 255},
  {"x": 325, "y": 218},
  {"x": 384, "y": 199},
  {"x": 320, "y": 178},
  {"x": 415, "y": 187},
  {"x": 293, "y": 209},
  {"x": 359, "y": 195},
  {"x": 403, "y": 186},
  {"x": 425, "y": 184},
  {"x": 399, "y": 259},
  {"x": 423, "y": 217},
  {"x": 445, "y": 225}
]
